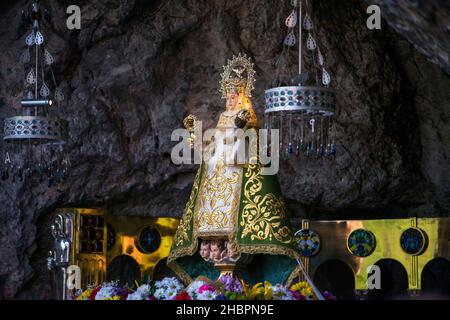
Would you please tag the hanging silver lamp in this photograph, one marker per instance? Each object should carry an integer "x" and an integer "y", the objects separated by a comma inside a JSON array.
[
  {"x": 40, "y": 135},
  {"x": 302, "y": 107}
]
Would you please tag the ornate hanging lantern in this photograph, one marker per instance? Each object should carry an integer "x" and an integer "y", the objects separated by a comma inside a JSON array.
[
  {"x": 302, "y": 108},
  {"x": 41, "y": 135}
]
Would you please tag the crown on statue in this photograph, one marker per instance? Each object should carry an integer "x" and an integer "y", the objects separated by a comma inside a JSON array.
[{"x": 238, "y": 76}]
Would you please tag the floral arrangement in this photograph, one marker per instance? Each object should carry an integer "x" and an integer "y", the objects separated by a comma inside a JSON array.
[
  {"x": 226, "y": 288},
  {"x": 105, "y": 291}
]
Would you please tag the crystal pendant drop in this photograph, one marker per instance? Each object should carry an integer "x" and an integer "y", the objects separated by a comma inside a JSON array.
[
  {"x": 286, "y": 153},
  {"x": 302, "y": 147},
  {"x": 333, "y": 149},
  {"x": 48, "y": 57},
  {"x": 321, "y": 150},
  {"x": 31, "y": 79},
  {"x": 307, "y": 23},
  {"x": 291, "y": 20},
  {"x": 39, "y": 39},
  {"x": 45, "y": 91},
  {"x": 326, "y": 79},
  {"x": 328, "y": 150},
  {"x": 311, "y": 43},
  {"x": 290, "y": 39},
  {"x": 30, "y": 39},
  {"x": 320, "y": 57},
  {"x": 290, "y": 148}
]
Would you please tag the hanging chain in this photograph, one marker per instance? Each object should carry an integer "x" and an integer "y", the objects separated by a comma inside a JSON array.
[{"x": 300, "y": 38}]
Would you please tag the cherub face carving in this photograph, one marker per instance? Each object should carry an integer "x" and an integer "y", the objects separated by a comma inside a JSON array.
[
  {"x": 232, "y": 253},
  {"x": 217, "y": 249},
  {"x": 205, "y": 251}
]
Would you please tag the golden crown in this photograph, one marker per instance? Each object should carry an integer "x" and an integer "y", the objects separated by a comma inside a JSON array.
[{"x": 238, "y": 76}]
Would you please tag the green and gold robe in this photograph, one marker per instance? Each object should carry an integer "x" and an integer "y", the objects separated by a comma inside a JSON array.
[{"x": 239, "y": 204}]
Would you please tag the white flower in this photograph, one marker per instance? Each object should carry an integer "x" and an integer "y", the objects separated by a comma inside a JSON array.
[
  {"x": 207, "y": 295},
  {"x": 134, "y": 296},
  {"x": 193, "y": 288},
  {"x": 159, "y": 294},
  {"x": 175, "y": 287},
  {"x": 281, "y": 293},
  {"x": 107, "y": 290},
  {"x": 170, "y": 295},
  {"x": 144, "y": 290},
  {"x": 169, "y": 280},
  {"x": 105, "y": 293},
  {"x": 167, "y": 288},
  {"x": 172, "y": 282},
  {"x": 141, "y": 293}
]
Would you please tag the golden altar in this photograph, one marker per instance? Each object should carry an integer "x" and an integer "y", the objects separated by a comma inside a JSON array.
[
  {"x": 98, "y": 244},
  {"x": 387, "y": 233}
]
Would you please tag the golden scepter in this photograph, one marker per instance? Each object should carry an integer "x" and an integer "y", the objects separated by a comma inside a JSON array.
[{"x": 191, "y": 123}]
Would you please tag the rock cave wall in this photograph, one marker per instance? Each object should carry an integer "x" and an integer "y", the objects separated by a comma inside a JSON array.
[{"x": 136, "y": 68}]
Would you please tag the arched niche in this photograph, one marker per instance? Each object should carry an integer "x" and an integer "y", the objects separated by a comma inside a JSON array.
[
  {"x": 393, "y": 279},
  {"x": 336, "y": 277},
  {"x": 162, "y": 270},
  {"x": 124, "y": 269},
  {"x": 436, "y": 279}
]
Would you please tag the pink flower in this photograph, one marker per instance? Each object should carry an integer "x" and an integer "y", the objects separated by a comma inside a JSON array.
[{"x": 206, "y": 287}]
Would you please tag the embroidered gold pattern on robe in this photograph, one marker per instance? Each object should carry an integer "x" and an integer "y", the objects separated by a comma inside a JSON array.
[
  {"x": 184, "y": 228},
  {"x": 262, "y": 215},
  {"x": 218, "y": 200}
]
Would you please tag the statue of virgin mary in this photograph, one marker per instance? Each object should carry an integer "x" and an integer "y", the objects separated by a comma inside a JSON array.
[{"x": 235, "y": 215}]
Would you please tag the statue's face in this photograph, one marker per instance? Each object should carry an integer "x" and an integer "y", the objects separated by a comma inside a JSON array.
[
  {"x": 232, "y": 101},
  {"x": 216, "y": 252},
  {"x": 204, "y": 251}
]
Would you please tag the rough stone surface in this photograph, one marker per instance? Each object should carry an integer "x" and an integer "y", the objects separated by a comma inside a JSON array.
[
  {"x": 425, "y": 23},
  {"x": 137, "y": 68}
]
